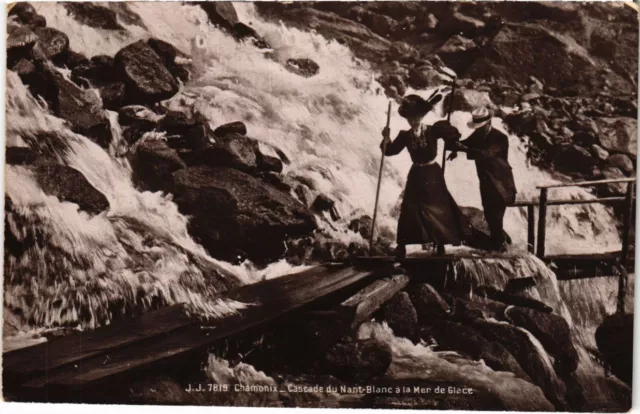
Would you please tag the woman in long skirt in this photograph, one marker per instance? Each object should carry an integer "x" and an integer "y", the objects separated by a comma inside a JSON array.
[{"x": 429, "y": 214}]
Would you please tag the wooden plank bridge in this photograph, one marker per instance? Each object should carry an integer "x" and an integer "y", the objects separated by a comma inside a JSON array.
[{"x": 64, "y": 368}]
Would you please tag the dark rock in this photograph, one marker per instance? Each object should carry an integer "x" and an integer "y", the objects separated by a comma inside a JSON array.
[
  {"x": 270, "y": 164},
  {"x": 599, "y": 152},
  {"x": 378, "y": 23},
  {"x": 623, "y": 162},
  {"x": 20, "y": 43},
  {"x": 454, "y": 336},
  {"x": 574, "y": 159},
  {"x": 400, "y": 315},
  {"x": 235, "y": 151},
  {"x": 168, "y": 53},
  {"x": 125, "y": 14},
  {"x": 322, "y": 203},
  {"x": 75, "y": 59},
  {"x": 618, "y": 134},
  {"x": 26, "y": 14},
  {"x": 241, "y": 32},
  {"x": 275, "y": 180},
  {"x": 532, "y": 362},
  {"x": 237, "y": 127},
  {"x": 250, "y": 215},
  {"x": 513, "y": 299},
  {"x": 147, "y": 79},
  {"x": 614, "y": 338},
  {"x": 477, "y": 307},
  {"x": 99, "y": 71},
  {"x": 154, "y": 163},
  {"x": 93, "y": 15},
  {"x": 79, "y": 107},
  {"x": 70, "y": 185},
  {"x": 425, "y": 77},
  {"x": 428, "y": 303},
  {"x": 402, "y": 52},
  {"x": 552, "y": 331},
  {"x": 220, "y": 13},
  {"x": 361, "y": 360},
  {"x": 613, "y": 189},
  {"x": 112, "y": 95},
  {"x": 20, "y": 155},
  {"x": 136, "y": 114},
  {"x": 468, "y": 100},
  {"x": 24, "y": 68},
  {"x": 303, "y": 67},
  {"x": 362, "y": 225},
  {"x": 52, "y": 42}
]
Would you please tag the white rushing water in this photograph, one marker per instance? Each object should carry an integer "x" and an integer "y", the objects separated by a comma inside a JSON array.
[{"x": 329, "y": 126}]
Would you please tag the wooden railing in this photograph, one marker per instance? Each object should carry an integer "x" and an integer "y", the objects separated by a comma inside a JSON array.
[{"x": 544, "y": 202}]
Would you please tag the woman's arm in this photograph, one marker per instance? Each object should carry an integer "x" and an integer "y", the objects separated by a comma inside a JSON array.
[{"x": 393, "y": 147}]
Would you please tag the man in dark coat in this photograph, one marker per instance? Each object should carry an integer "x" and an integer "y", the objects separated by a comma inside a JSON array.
[{"x": 489, "y": 148}]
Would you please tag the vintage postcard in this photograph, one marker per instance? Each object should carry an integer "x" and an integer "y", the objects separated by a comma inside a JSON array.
[{"x": 419, "y": 205}]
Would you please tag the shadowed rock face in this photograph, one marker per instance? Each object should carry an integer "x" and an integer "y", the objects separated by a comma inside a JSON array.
[
  {"x": 147, "y": 79},
  {"x": 615, "y": 342},
  {"x": 93, "y": 15},
  {"x": 235, "y": 213},
  {"x": 360, "y": 360}
]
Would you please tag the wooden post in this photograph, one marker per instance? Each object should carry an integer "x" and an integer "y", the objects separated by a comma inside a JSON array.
[
  {"x": 531, "y": 230},
  {"x": 622, "y": 287},
  {"x": 375, "y": 208},
  {"x": 628, "y": 215},
  {"x": 542, "y": 222}
]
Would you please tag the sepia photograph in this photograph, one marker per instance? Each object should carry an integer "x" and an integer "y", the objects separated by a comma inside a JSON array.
[{"x": 331, "y": 204}]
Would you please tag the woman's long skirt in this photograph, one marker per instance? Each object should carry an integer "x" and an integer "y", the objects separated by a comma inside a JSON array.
[{"x": 429, "y": 214}]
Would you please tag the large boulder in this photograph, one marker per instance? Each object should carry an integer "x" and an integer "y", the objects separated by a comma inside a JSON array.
[
  {"x": 154, "y": 163},
  {"x": 98, "y": 71},
  {"x": 52, "y": 42},
  {"x": 378, "y": 23},
  {"x": 469, "y": 99},
  {"x": 574, "y": 159},
  {"x": 26, "y": 14},
  {"x": 143, "y": 71},
  {"x": 618, "y": 134},
  {"x": 70, "y": 185},
  {"x": 517, "y": 342},
  {"x": 303, "y": 67},
  {"x": 169, "y": 53},
  {"x": 93, "y": 15},
  {"x": 426, "y": 76},
  {"x": 358, "y": 361},
  {"x": 220, "y": 13},
  {"x": 623, "y": 162},
  {"x": 614, "y": 338},
  {"x": 454, "y": 336},
  {"x": 552, "y": 331},
  {"x": 20, "y": 156},
  {"x": 458, "y": 53},
  {"x": 400, "y": 315},
  {"x": 250, "y": 216},
  {"x": 236, "y": 127},
  {"x": 81, "y": 108}
]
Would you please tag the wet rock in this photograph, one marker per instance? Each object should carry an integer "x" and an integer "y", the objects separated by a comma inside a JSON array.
[
  {"x": 24, "y": 68},
  {"x": 322, "y": 203},
  {"x": 513, "y": 299},
  {"x": 599, "y": 152},
  {"x": 358, "y": 361},
  {"x": 402, "y": 52},
  {"x": 220, "y": 13},
  {"x": 574, "y": 159},
  {"x": 20, "y": 43},
  {"x": 427, "y": 302},
  {"x": 143, "y": 71},
  {"x": 458, "y": 53},
  {"x": 154, "y": 163},
  {"x": 26, "y": 14},
  {"x": 243, "y": 32},
  {"x": 99, "y": 71},
  {"x": 613, "y": 189},
  {"x": 53, "y": 43},
  {"x": 618, "y": 134},
  {"x": 362, "y": 225},
  {"x": 75, "y": 59},
  {"x": 237, "y": 127},
  {"x": 250, "y": 215},
  {"x": 20, "y": 156},
  {"x": 614, "y": 338},
  {"x": 532, "y": 362},
  {"x": 454, "y": 336},
  {"x": 552, "y": 331},
  {"x": 235, "y": 151},
  {"x": 169, "y": 53},
  {"x": 112, "y": 95},
  {"x": 135, "y": 114},
  {"x": 378, "y": 23},
  {"x": 303, "y": 67},
  {"x": 125, "y": 14},
  {"x": 68, "y": 184},
  {"x": 81, "y": 108},
  {"x": 400, "y": 315},
  {"x": 622, "y": 162},
  {"x": 93, "y": 15},
  {"x": 477, "y": 307},
  {"x": 270, "y": 164}
]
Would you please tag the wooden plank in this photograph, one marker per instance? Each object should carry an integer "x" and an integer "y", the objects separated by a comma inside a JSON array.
[
  {"x": 589, "y": 183},
  {"x": 366, "y": 301},
  {"x": 274, "y": 298},
  {"x": 531, "y": 229},
  {"x": 65, "y": 350},
  {"x": 602, "y": 200},
  {"x": 542, "y": 223}
]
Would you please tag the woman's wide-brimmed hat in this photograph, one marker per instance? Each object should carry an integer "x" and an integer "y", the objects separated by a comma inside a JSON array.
[
  {"x": 479, "y": 118},
  {"x": 414, "y": 105}
]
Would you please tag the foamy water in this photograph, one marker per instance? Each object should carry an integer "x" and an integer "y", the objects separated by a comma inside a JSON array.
[{"x": 139, "y": 252}]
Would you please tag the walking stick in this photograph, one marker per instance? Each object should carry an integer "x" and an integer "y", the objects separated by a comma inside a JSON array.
[
  {"x": 375, "y": 208},
  {"x": 444, "y": 151}
]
